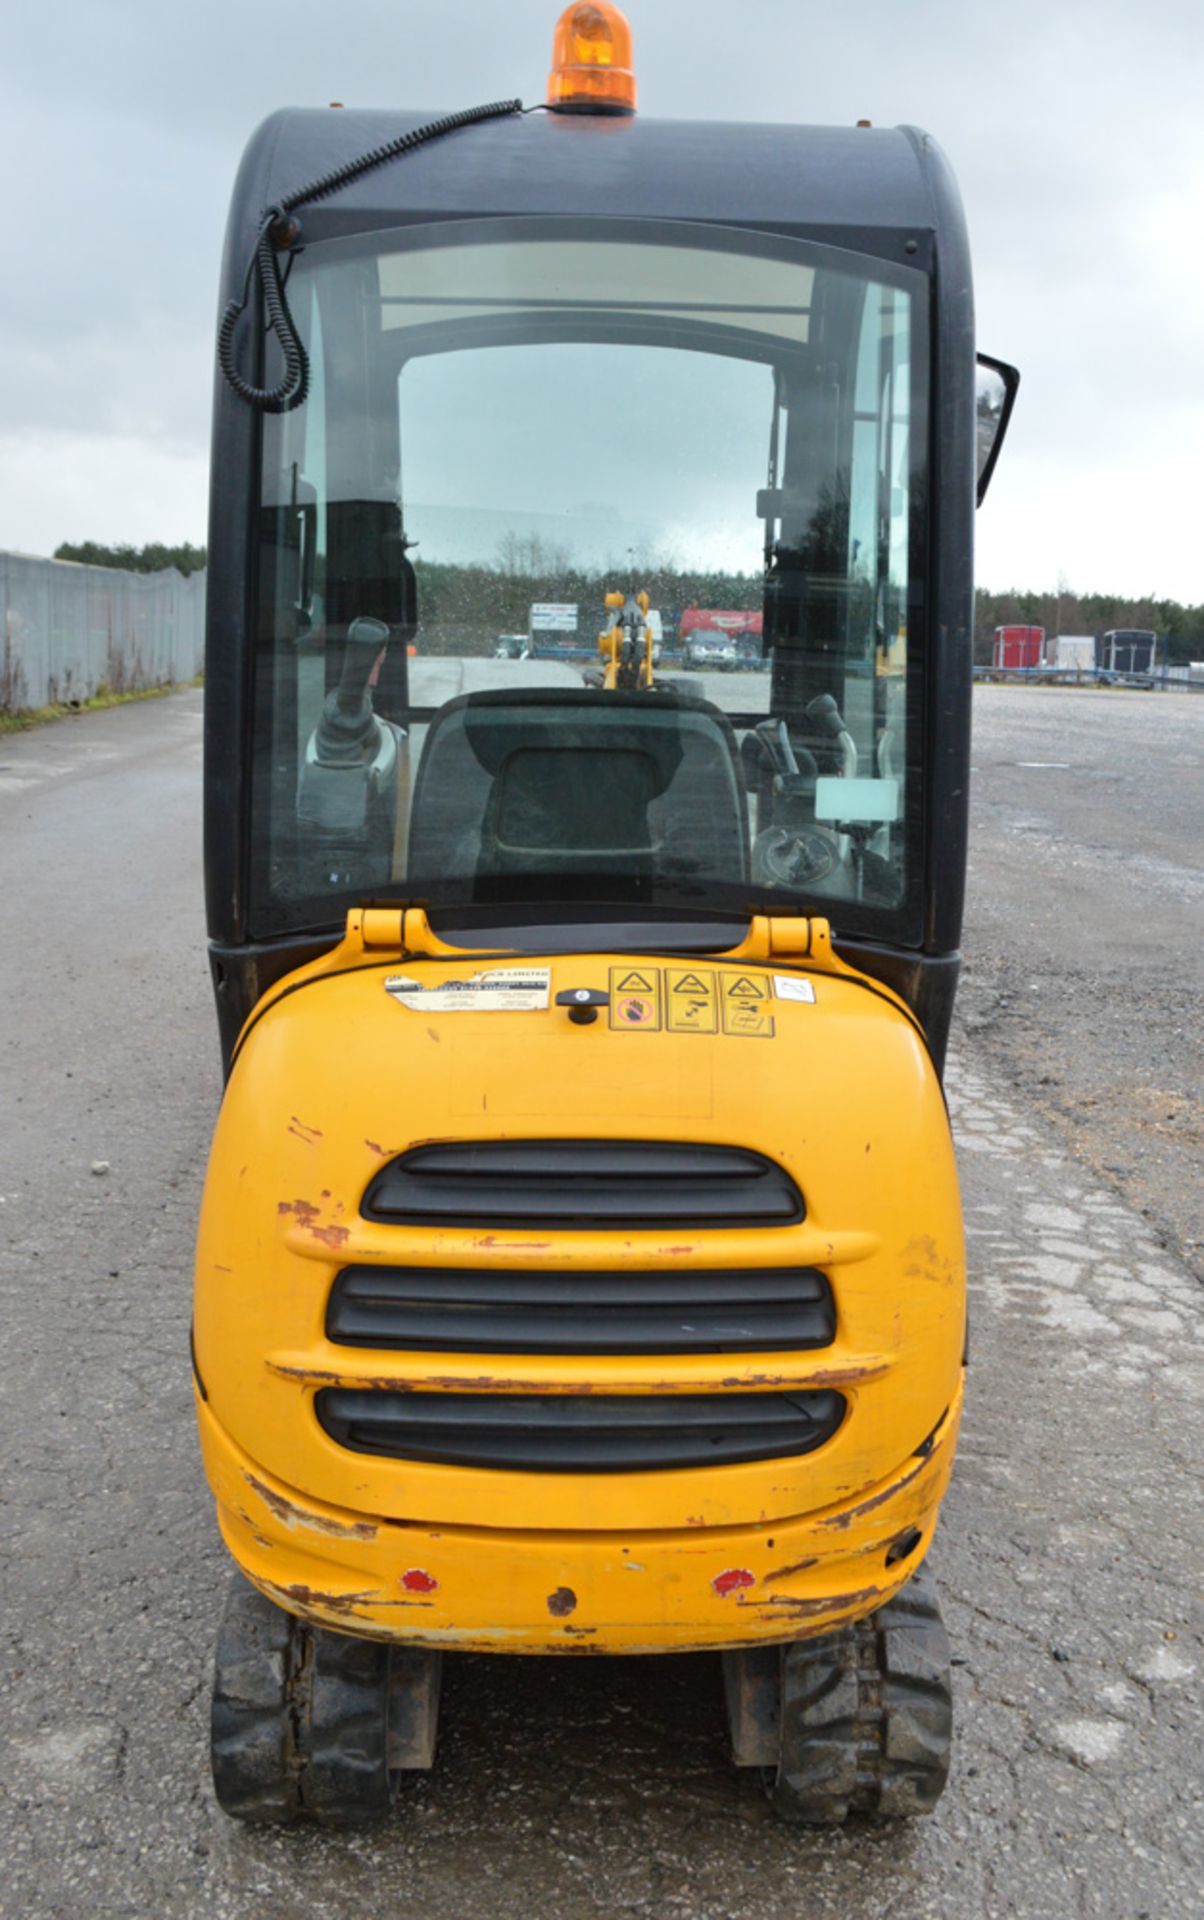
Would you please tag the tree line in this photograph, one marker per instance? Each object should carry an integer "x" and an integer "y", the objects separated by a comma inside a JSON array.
[
  {"x": 154, "y": 558},
  {"x": 471, "y": 605},
  {"x": 1180, "y": 627}
]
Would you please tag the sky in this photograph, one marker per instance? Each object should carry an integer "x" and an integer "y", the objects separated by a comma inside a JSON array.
[{"x": 1074, "y": 129}]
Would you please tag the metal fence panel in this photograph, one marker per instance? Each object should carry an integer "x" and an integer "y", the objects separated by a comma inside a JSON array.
[{"x": 71, "y": 631}]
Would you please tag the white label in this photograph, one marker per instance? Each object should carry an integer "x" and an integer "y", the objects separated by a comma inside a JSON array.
[
  {"x": 787, "y": 986},
  {"x": 856, "y": 799},
  {"x": 503, "y": 990}
]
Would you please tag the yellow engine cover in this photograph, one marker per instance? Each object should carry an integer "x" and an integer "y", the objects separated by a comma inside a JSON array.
[{"x": 813, "y": 1067}]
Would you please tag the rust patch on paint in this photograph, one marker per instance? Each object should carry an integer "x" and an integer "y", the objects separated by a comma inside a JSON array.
[
  {"x": 845, "y": 1519},
  {"x": 435, "y": 1036},
  {"x": 733, "y": 1580},
  {"x": 382, "y": 1153},
  {"x": 310, "y": 1135},
  {"x": 304, "y": 1210},
  {"x": 784, "y": 1606},
  {"x": 798, "y": 1566},
  {"x": 563, "y": 1601},
  {"x": 804, "y": 1379},
  {"x": 330, "y": 1236},
  {"x": 303, "y": 1596},
  {"x": 418, "y": 1580},
  {"x": 293, "y": 1516},
  {"x": 695, "y": 1520},
  {"x": 581, "y": 1632}
]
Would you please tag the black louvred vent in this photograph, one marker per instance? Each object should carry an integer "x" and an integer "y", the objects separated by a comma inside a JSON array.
[
  {"x": 494, "y": 1310},
  {"x": 598, "y": 1184},
  {"x": 580, "y": 1433}
]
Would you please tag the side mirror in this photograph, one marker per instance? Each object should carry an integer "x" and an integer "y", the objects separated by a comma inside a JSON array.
[{"x": 994, "y": 399}]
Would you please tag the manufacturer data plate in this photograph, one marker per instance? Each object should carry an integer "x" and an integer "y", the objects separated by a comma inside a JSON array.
[{"x": 502, "y": 990}]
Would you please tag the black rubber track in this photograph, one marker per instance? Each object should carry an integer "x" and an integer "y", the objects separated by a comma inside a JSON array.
[
  {"x": 253, "y": 1729},
  {"x": 867, "y": 1715},
  {"x": 300, "y": 1718},
  {"x": 345, "y": 1779}
]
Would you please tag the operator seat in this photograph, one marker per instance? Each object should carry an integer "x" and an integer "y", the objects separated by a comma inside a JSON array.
[{"x": 559, "y": 781}]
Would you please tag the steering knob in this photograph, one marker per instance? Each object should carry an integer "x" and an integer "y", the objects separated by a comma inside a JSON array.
[{"x": 583, "y": 1004}]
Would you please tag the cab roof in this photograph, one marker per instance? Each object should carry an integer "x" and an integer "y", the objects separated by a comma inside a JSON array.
[{"x": 877, "y": 187}]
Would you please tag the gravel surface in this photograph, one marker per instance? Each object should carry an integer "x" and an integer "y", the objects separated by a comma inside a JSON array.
[
  {"x": 1085, "y": 931},
  {"x": 581, "y": 1788}
]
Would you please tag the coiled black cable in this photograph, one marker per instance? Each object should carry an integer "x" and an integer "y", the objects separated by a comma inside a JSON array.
[{"x": 277, "y": 232}]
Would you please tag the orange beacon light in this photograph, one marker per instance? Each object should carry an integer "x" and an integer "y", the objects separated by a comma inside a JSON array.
[{"x": 591, "y": 61}]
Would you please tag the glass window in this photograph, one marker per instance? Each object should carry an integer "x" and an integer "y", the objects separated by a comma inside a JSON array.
[{"x": 589, "y": 572}]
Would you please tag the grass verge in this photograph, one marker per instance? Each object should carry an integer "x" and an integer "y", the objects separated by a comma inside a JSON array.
[{"x": 28, "y": 717}]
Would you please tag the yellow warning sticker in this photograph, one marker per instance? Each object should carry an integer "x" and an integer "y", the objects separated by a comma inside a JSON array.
[
  {"x": 635, "y": 999},
  {"x": 746, "y": 1004},
  {"x": 691, "y": 1001},
  {"x": 646, "y": 999}
]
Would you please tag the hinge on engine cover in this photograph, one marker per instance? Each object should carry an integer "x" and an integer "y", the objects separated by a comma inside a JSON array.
[
  {"x": 396, "y": 930},
  {"x": 803, "y": 940}
]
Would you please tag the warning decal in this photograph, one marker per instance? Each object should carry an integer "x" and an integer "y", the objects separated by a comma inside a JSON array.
[
  {"x": 691, "y": 1003},
  {"x": 690, "y": 1000},
  {"x": 635, "y": 999},
  {"x": 746, "y": 1005}
]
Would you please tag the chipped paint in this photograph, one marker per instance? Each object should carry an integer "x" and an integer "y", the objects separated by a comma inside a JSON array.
[
  {"x": 847, "y": 1375},
  {"x": 304, "y": 1210},
  {"x": 790, "y": 1606},
  {"x": 847, "y": 1517},
  {"x": 490, "y": 1243},
  {"x": 418, "y": 1580},
  {"x": 733, "y": 1580},
  {"x": 563, "y": 1601},
  {"x": 330, "y": 1236},
  {"x": 302, "y": 1596},
  {"x": 293, "y": 1516},
  {"x": 797, "y": 1566}
]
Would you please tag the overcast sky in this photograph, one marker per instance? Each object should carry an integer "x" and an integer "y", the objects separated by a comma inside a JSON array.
[{"x": 1076, "y": 132}]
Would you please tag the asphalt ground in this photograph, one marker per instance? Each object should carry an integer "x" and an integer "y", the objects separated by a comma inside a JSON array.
[
  {"x": 1084, "y": 931},
  {"x": 1065, "y": 1554}
]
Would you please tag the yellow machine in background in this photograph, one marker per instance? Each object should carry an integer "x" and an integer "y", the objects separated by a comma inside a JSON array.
[
  {"x": 580, "y": 1267},
  {"x": 626, "y": 646}
]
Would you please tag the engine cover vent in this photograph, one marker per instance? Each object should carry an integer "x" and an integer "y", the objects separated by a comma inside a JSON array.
[
  {"x": 613, "y": 1185},
  {"x": 580, "y": 1433},
  {"x": 507, "y": 1310}
]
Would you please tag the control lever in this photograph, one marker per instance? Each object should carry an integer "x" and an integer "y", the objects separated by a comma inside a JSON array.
[{"x": 348, "y": 721}]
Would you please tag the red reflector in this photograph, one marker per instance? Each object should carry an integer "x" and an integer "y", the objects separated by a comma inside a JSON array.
[{"x": 732, "y": 1581}]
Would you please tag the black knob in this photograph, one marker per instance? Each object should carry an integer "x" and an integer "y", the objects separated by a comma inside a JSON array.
[{"x": 583, "y": 1004}]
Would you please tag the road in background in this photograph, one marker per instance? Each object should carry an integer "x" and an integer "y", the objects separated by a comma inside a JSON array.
[{"x": 566, "y": 1788}]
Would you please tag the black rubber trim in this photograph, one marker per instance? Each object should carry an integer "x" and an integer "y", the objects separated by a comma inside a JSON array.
[
  {"x": 196, "y": 1372},
  {"x": 492, "y": 1310},
  {"x": 614, "y": 1185},
  {"x": 586, "y": 1433}
]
